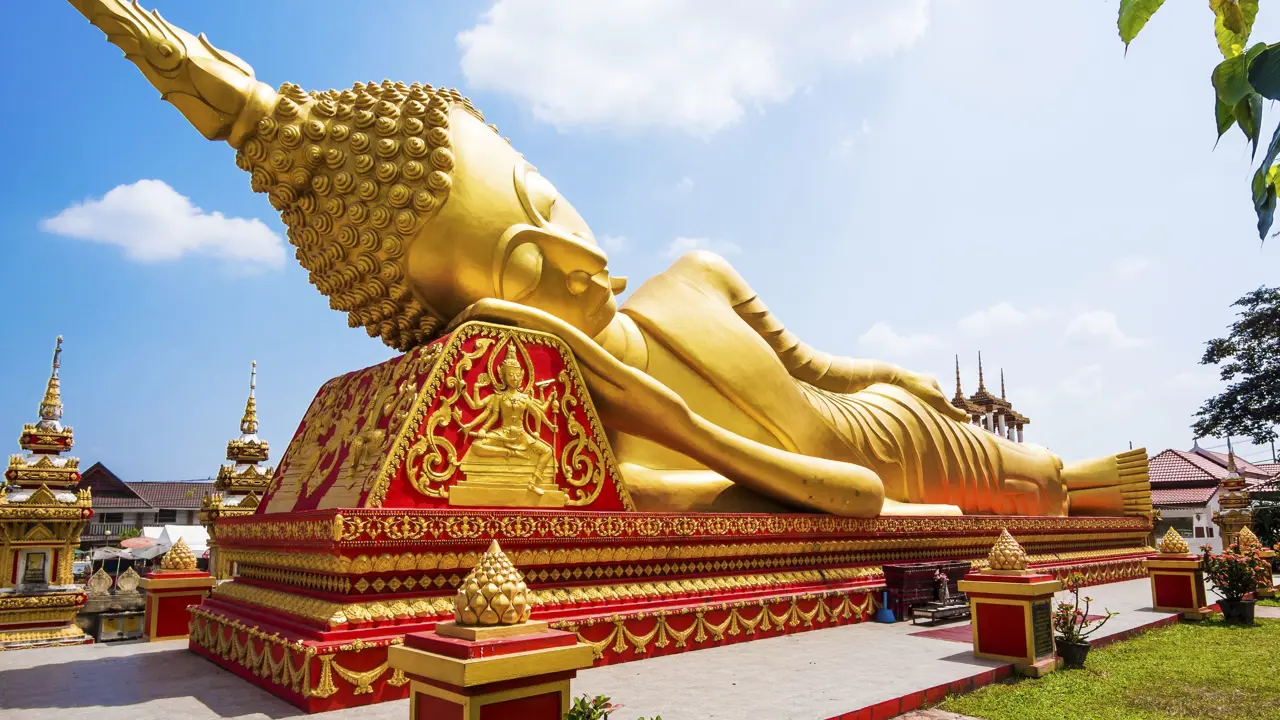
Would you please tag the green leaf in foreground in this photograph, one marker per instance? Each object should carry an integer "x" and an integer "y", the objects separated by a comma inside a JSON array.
[
  {"x": 1232, "y": 23},
  {"x": 1264, "y": 72},
  {"x": 1225, "y": 116},
  {"x": 1134, "y": 14},
  {"x": 1231, "y": 76},
  {"x": 1248, "y": 114},
  {"x": 1264, "y": 186}
]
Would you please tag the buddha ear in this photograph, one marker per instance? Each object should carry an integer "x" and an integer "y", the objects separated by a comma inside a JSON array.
[{"x": 520, "y": 272}]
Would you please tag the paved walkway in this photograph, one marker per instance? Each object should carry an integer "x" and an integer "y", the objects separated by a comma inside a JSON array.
[{"x": 807, "y": 676}]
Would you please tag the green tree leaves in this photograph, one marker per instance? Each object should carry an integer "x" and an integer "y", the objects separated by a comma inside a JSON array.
[
  {"x": 1264, "y": 72},
  {"x": 1249, "y": 359},
  {"x": 1232, "y": 23},
  {"x": 1134, "y": 14}
]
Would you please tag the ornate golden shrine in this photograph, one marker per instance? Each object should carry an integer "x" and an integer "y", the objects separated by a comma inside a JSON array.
[
  {"x": 240, "y": 484},
  {"x": 41, "y": 517},
  {"x": 680, "y": 473}
]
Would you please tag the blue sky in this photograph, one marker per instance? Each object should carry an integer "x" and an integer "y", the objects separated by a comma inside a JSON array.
[{"x": 903, "y": 180}]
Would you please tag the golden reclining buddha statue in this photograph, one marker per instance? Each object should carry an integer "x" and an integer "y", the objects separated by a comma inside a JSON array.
[{"x": 412, "y": 215}]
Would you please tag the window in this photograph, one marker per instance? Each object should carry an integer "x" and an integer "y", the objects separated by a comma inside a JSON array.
[
  {"x": 167, "y": 517},
  {"x": 110, "y": 518},
  {"x": 1199, "y": 531},
  {"x": 1210, "y": 532}
]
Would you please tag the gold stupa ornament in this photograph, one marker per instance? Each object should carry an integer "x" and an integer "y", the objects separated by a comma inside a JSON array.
[
  {"x": 1173, "y": 544},
  {"x": 1006, "y": 554},
  {"x": 179, "y": 557},
  {"x": 1248, "y": 541},
  {"x": 493, "y": 593}
]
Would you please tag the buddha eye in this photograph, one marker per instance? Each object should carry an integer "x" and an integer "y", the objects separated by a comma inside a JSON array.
[{"x": 578, "y": 281}]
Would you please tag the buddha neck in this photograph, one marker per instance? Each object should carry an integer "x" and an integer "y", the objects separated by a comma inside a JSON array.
[{"x": 623, "y": 339}]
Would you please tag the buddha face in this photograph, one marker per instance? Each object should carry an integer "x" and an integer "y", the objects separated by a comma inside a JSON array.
[
  {"x": 512, "y": 375},
  {"x": 507, "y": 233}
]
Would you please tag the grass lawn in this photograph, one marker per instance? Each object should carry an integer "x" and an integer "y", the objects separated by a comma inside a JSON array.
[{"x": 1189, "y": 671}]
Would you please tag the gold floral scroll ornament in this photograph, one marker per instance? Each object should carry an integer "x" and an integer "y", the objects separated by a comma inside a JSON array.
[{"x": 1173, "y": 544}]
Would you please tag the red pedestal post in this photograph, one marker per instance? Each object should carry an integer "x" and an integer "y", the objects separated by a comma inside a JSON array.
[
  {"x": 490, "y": 673},
  {"x": 1177, "y": 585},
  {"x": 169, "y": 593},
  {"x": 1013, "y": 619}
]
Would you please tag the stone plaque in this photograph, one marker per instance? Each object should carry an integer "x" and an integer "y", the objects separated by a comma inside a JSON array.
[{"x": 1042, "y": 627}]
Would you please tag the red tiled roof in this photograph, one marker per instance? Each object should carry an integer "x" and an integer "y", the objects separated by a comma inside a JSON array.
[
  {"x": 1182, "y": 496},
  {"x": 1271, "y": 469},
  {"x": 1172, "y": 466},
  {"x": 1243, "y": 466},
  {"x": 172, "y": 495}
]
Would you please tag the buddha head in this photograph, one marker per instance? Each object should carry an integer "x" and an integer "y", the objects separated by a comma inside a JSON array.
[{"x": 407, "y": 208}]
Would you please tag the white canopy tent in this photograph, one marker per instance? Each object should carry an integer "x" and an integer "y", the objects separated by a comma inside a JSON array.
[{"x": 195, "y": 536}]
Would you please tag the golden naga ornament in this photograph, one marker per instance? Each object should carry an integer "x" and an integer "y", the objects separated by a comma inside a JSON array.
[
  {"x": 1007, "y": 555},
  {"x": 179, "y": 557},
  {"x": 413, "y": 216},
  {"x": 493, "y": 593},
  {"x": 1173, "y": 544}
]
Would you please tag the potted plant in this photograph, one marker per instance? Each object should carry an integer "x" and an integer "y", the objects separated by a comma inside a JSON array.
[
  {"x": 594, "y": 708},
  {"x": 1234, "y": 575},
  {"x": 1072, "y": 625}
]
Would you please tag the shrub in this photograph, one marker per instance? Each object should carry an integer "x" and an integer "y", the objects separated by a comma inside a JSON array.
[
  {"x": 1234, "y": 573},
  {"x": 1072, "y": 624},
  {"x": 597, "y": 708}
]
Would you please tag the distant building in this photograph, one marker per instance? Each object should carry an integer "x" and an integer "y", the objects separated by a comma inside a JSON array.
[
  {"x": 1184, "y": 488},
  {"x": 991, "y": 413},
  {"x": 119, "y": 505}
]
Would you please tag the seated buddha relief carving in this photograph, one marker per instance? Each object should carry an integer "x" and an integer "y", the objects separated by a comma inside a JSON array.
[{"x": 412, "y": 215}]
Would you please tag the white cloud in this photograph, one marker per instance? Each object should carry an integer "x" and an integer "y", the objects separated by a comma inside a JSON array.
[
  {"x": 1001, "y": 316},
  {"x": 612, "y": 243},
  {"x": 692, "y": 65},
  {"x": 845, "y": 146},
  {"x": 685, "y": 184},
  {"x": 1101, "y": 325},
  {"x": 1128, "y": 268},
  {"x": 682, "y": 245},
  {"x": 883, "y": 337},
  {"x": 152, "y": 222},
  {"x": 1082, "y": 383},
  {"x": 1196, "y": 380}
]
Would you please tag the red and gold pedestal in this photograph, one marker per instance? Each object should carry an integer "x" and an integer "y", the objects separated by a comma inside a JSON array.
[
  {"x": 494, "y": 673},
  {"x": 1012, "y": 610},
  {"x": 169, "y": 594},
  {"x": 1177, "y": 585}
]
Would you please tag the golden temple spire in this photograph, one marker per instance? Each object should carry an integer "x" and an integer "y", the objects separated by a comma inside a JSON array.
[
  {"x": 51, "y": 405},
  {"x": 1231, "y": 459},
  {"x": 1002, "y": 397},
  {"x": 214, "y": 89},
  {"x": 982, "y": 385},
  {"x": 249, "y": 423},
  {"x": 959, "y": 392}
]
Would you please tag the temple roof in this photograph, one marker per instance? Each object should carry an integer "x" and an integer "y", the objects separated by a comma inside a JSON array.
[{"x": 173, "y": 494}]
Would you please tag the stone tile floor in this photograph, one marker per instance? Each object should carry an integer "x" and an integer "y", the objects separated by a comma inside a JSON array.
[{"x": 807, "y": 676}]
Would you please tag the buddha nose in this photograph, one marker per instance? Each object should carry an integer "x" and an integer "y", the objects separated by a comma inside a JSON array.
[{"x": 579, "y": 281}]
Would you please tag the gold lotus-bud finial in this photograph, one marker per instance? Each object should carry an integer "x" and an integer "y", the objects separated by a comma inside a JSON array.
[
  {"x": 1247, "y": 540},
  {"x": 179, "y": 557},
  {"x": 249, "y": 423},
  {"x": 1173, "y": 544},
  {"x": 1006, "y": 554},
  {"x": 493, "y": 593}
]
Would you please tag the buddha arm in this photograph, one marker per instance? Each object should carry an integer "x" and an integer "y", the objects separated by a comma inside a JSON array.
[
  {"x": 832, "y": 373},
  {"x": 632, "y": 402}
]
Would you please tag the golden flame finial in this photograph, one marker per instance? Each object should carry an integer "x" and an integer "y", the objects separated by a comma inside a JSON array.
[
  {"x": 959, "y": 392},
  {"x": 179, "y": 557},
  {"x": 214, "y": 89},
  {"x": 249, "y": 423},
  {"x": 1231, "y": 460},
  {"x": 1173, "y": 544},
  {"x": 1006, "y": 554},
  {"x": 51, "y": 405},
  {"x": 493, "y": 593},
  {"x": 1247, "y": 540}
]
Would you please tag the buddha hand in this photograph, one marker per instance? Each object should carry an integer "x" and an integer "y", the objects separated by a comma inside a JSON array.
[{"x": 927, "y": 389}]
